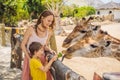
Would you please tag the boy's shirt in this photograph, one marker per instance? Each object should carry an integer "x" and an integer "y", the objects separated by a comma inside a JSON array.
[{"x": 35, "y": 71}]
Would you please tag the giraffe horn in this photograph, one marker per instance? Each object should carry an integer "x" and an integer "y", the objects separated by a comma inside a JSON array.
[{"x": 90, "y": 18}]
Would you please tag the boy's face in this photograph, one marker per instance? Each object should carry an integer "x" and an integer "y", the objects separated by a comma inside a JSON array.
[{"x": 40, "y": 52}]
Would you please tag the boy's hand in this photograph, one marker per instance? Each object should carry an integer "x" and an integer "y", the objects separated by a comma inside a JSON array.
[
  {"x": 46, "y": 58},
  {"x": 55, "y": 57}
]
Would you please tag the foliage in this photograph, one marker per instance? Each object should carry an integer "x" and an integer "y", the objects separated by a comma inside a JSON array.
[
  {"x": 21, "y": 13},
  {"x": 7, "y": 11},
  {"x": 68, "y": 10},
  {"x": 55, "y": 6},
  {"x": 34, "y": 7},
  {"x": 84, "y": 11},
  {"x": 77, "y": 11},
  {"x": 11, "y": 11}
]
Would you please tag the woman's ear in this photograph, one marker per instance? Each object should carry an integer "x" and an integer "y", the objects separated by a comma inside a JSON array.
[{"x": 42, "y": 17}]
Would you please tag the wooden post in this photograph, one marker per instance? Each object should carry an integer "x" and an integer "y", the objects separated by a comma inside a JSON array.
[
  {"x": 62, "y": 72},
  {"x": 2, "y": 26},
  {"x": 16, "y": 51}
]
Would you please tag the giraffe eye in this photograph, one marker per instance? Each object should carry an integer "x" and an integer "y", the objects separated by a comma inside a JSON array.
[
  {"x": 83, "y": 31},
  {"x": 93, "y": 45},
  {"x": 105, "y": 32},
  {"x": 70, "y": 50},
  {"x": 67, "y": 40}
]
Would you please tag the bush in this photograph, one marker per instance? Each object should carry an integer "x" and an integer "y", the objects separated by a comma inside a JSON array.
[{"x": 84, "y": 11}]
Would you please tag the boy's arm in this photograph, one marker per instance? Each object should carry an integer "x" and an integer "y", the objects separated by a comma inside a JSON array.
[{"x": 47, "y": 66}]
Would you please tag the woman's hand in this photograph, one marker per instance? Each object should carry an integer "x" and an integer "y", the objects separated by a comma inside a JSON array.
[
  {"x": 48, "y": 49},
  {"x": 53, "y": 52}
]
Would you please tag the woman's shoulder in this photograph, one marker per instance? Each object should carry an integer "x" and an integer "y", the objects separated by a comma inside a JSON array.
[{"x": 30, "y": 28}]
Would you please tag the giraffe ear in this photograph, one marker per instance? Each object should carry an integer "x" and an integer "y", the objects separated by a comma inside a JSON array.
[
  {"x": 89, "y": 19},
  {"x": 96, "y": 77}
]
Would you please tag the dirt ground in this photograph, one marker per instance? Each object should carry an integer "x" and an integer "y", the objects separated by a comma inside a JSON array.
[{"x": 87, "y": 66}]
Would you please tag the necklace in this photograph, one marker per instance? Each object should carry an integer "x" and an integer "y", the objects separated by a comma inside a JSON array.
[
  {"x": 41, "y": 28},
  {"x": 41, "y": 32}
]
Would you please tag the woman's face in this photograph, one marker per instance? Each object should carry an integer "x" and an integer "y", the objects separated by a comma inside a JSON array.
[{"x": 47, "y": 21}]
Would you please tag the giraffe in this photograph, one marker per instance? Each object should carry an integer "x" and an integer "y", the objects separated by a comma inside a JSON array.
[
  {"x": 78, "y": 33},
  {"x": 89, "y": 40}
]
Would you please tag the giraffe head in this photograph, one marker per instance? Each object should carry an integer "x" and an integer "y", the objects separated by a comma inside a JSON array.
[
  {"x": 78, "y": 33},
  {"x": 89, "y": 39}
]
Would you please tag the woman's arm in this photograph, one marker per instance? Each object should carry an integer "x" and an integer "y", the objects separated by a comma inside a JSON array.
[
  {"x": 46, "y": 48},
  {"x": 51, "y": 41},
  {"x": 27, "y": 34}
]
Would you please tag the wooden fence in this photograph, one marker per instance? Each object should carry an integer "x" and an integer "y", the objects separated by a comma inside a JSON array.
[
  {"x": 12, "y": 36},
  {"x": 5, "y": 34}
]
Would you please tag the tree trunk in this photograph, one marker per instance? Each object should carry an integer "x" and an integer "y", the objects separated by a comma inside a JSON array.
[
  {"x": 2, "y": 26},
  {"x": 58, "y": 28},
  {"x": 57, "y": 20}
]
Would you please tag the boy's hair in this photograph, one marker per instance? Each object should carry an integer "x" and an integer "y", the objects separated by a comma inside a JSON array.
[{"x": 34, "y": 46}]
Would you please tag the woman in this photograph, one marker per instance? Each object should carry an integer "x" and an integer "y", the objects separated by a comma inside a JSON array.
[{"x": 41, "y": 32}]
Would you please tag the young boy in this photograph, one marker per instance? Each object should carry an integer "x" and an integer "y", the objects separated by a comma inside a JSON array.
[{"x": 38, "y": 71}]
